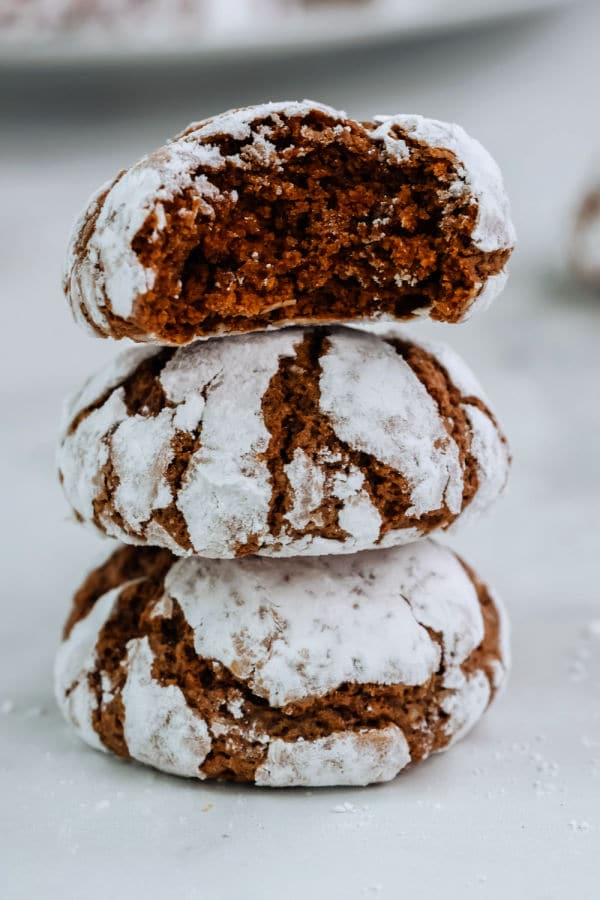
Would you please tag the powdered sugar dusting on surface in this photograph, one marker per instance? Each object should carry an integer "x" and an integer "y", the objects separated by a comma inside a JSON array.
[
  {"x": 141, "y": 452},
  {"x": 75, "y": 660},
  {"x": 79, "y": 659},
  {"x": 467, "y": 702},
  {"x": 82, "y": 454},
  {"x": 79, "y": 279},
  {"x": 160, "y": 729},
  {"x": 225, "y": 495},
  {"x": 110, "y": 266},
  {"x": 398, "y": 424},
  {"x": 459, "y": 372},
  {"x": 307, "y": 481},
  {"x": 442, "y": 598},
  {"x": 226, "y": 492},
  {"x": 487, "y": 446},
  {"x": 493, "y": 462},
  {"x": 354, "y": 758},
  {"x": 489, "y": 290},
  {"x": 501, "y": 667},
  {"x": 238, "y": 123},
  {"x": 122, "y": 365},
  {"x": 359, "y": 518},
  {"x": 361, "y": 618},
  {"x": 479, "y": 172}
]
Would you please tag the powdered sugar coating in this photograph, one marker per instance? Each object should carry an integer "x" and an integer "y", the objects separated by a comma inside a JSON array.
[
  {"x": 378, "y": 405},
  {"x": 106, "y": 277},
  {"x": 460, "y": 373},
  {"x": 361, "y": 618},
  {"x": 501, "y": 668},
  {"x": 366, "y": 757},
  {"x": 466, "y": 705},
  {"x": 487, "y": 444},
  {"x": 238, "y": 123},
  {"x": 357, "y": 515},
  {"x": 479, "y": 174},
  {"x": 113, "y": 373},
  {"x": 225, "y": 497},
  {"x": 160, "y": 728},
  {"x": 291, "y": 631},
  {"x": 75, "y": 660},
  {"x": 493, "y": 460},
  {"x": 214, "y": 392},
  {"x": 489, "y": 290}
]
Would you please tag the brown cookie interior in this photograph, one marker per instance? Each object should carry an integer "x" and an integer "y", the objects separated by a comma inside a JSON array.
[{"x": 319, "y": 226}]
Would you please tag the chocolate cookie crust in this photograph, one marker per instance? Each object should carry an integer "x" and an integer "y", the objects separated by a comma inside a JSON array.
[
  {"x": 295, "y": 442},
  {"x": 282, "y": 672},
  {"x": 291, "y": 213}
]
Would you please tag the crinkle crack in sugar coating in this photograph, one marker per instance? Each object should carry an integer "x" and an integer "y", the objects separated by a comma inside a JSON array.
[
  {"x": 291, "y": 213},
  {"x": 331, "y": 670},
  {"x": 301, "y": 441}
]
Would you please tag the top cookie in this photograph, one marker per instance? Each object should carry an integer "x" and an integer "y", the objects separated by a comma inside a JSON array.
[{"x": 291, "y": 213}]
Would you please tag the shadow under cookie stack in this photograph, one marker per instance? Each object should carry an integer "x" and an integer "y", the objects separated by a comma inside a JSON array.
[{"x": 273, "y": 467}]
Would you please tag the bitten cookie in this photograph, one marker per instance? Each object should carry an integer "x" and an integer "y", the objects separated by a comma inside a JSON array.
[
  {"x": 333, "y": 670},
  {"x": 292, "y": 442},
  {"x": 291, "y": 213}
]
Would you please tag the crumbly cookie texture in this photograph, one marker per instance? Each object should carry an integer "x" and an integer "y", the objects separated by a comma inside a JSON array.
[
  {"x": 291, "y": 213},
  {"x": 303, "y": 441},
  {"x": 323, "y": 671}
]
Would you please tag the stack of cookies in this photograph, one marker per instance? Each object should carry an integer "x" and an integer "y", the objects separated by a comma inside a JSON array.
[{"x": 276, "y": 612}]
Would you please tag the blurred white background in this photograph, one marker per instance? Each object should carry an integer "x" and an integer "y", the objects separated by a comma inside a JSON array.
[{"x": 513, "y": 811}]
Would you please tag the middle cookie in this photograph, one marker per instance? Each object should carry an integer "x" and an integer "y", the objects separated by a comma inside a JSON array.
[{"x": 297, "y": 442}]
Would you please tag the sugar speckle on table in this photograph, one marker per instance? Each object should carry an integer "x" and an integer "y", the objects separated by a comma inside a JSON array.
[
  {"x": 349, "y": 808},
  {"x": 582, "y": 826}
]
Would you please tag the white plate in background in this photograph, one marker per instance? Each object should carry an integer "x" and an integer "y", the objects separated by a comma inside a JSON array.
[{"x": 241, "y": 29}]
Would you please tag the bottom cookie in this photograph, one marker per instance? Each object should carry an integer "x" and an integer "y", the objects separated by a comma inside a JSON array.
[{"x": 282, "y": 672}]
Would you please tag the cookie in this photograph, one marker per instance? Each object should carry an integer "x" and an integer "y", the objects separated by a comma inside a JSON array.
[
  {"x": 323, "y": 671},
  {"x": 302, "y": 441},
  {"x": 291, "y": 213}
]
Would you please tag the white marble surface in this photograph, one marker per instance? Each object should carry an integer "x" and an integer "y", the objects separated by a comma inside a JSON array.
[{"x": 515, "y": 809}]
